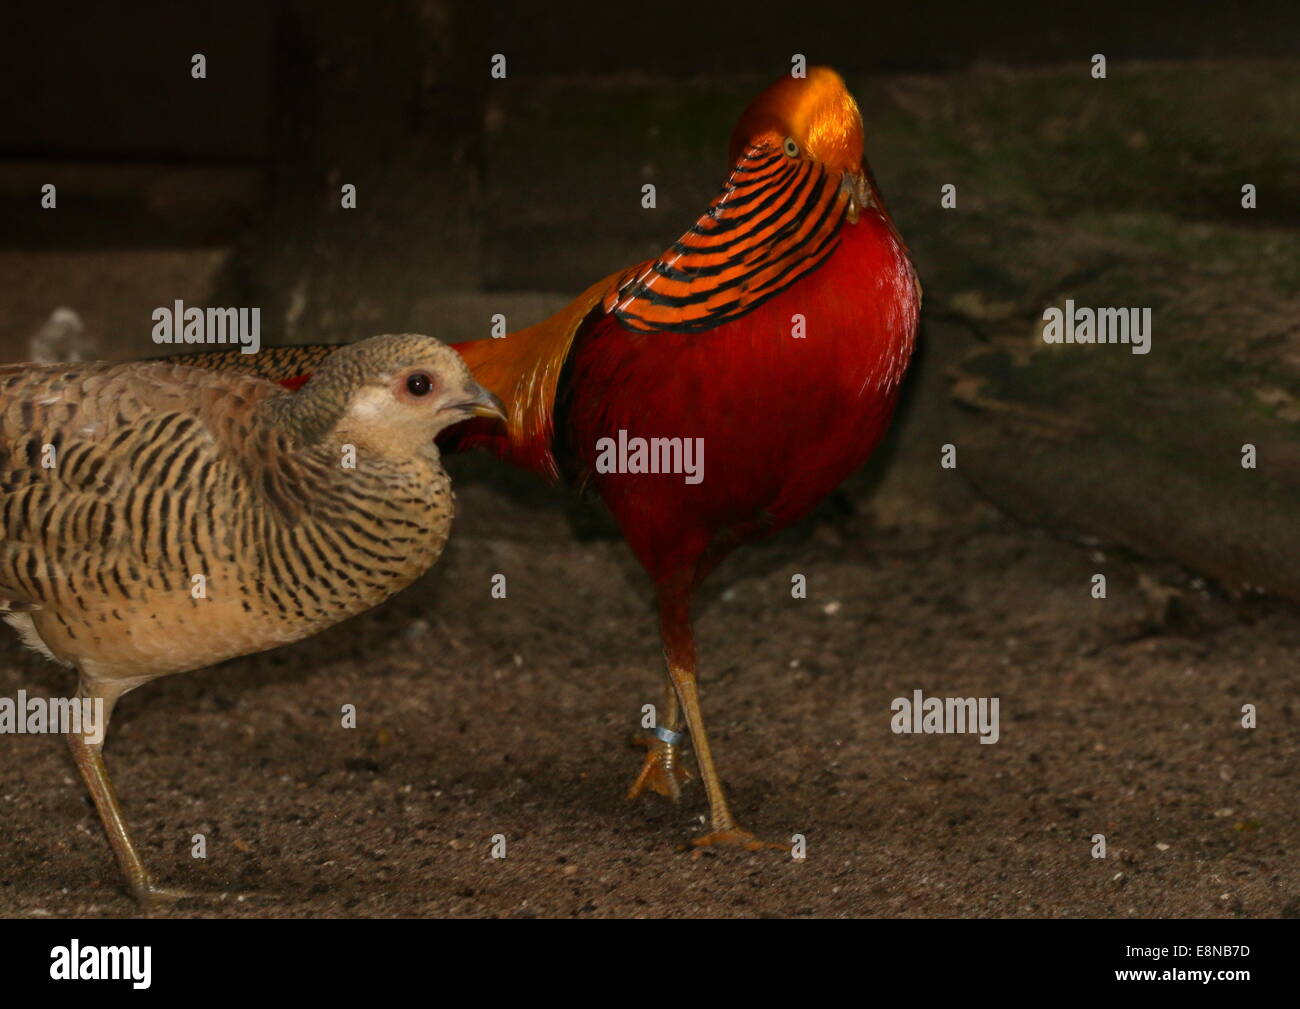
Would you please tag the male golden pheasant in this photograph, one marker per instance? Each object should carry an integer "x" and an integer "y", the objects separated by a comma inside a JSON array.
[{"x": 777, "y": 330}]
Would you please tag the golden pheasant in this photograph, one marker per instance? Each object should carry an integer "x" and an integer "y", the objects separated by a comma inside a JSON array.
[
  {"x": 774, "y": 335},
  {"x": 159, "y": 518}
]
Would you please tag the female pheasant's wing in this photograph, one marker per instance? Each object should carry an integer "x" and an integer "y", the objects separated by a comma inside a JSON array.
[
  {"x": 287, "y": 366},
  {"x": 107, "y": 475},
  {"x": 777, "y": 218}
]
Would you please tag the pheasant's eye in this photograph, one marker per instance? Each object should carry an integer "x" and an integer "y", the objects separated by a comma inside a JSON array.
[
  {"x": 791, "y": 148},
  {"x": 419, "y": 384}
]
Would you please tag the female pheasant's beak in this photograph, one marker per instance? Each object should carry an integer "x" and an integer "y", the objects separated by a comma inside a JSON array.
[{"x": 481, "y": 403}]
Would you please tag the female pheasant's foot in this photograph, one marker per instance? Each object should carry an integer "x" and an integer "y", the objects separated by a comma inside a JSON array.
[
  {"x": 154, "y": 898},
  {"x": 664, "y": 771},
  {"x": 736, "y": 837}
]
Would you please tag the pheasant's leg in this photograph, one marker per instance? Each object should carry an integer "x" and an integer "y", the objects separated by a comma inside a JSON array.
[
  {"x": 679, "y": 650},
  {"x": 89, "y": 758},
  {"x": 664, "y": 771}
]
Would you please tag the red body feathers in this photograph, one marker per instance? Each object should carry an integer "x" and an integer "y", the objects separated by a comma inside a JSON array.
[
  {"x": 783, "y": 420},
  {"x": 776, "y": 332}
]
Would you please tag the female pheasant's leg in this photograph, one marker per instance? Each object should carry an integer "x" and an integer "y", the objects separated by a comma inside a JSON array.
[
  {"x": 679, "y": 650},
  {"x": 664, "y": 771},
  {"x": 89, "y": 758}
]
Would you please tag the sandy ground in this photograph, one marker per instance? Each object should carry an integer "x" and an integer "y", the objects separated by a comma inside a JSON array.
[{"x": 480, "y": 717}]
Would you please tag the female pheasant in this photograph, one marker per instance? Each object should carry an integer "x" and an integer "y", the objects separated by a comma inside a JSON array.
[
  {"x": 777, "y": 330},
  {"x": 158, "y": 518}
]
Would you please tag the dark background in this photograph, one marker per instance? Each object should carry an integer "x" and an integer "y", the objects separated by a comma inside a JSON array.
[
  {"x": 229, "y": 185},
  {"x": 478, "y": 196}
]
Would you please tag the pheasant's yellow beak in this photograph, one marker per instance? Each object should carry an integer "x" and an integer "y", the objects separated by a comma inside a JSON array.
[{"x": 482, "y": 403}]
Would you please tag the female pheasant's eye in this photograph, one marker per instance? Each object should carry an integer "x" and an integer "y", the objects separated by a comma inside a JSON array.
[
  {"x": 791, "y": 148},
  {"x": 419, "y": 384}
]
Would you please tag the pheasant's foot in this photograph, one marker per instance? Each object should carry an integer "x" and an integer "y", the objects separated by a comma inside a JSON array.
[
  {"x": 664, "y": 771},
  {"x": 736, "y": 837},
  {"x": 153, "y": 898}
]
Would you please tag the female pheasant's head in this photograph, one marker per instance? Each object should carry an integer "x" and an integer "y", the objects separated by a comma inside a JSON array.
[
  {"x": 811, "y": 117},
  {"x": 392, "y": 394}
]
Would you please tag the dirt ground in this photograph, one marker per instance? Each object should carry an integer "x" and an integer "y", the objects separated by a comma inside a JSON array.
[{"x": 480, "y": 717}]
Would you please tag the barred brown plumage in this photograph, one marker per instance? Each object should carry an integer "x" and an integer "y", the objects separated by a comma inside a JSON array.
[
  {"x": 279, "y": 364},
  {"x": 158, "y": 518}
]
